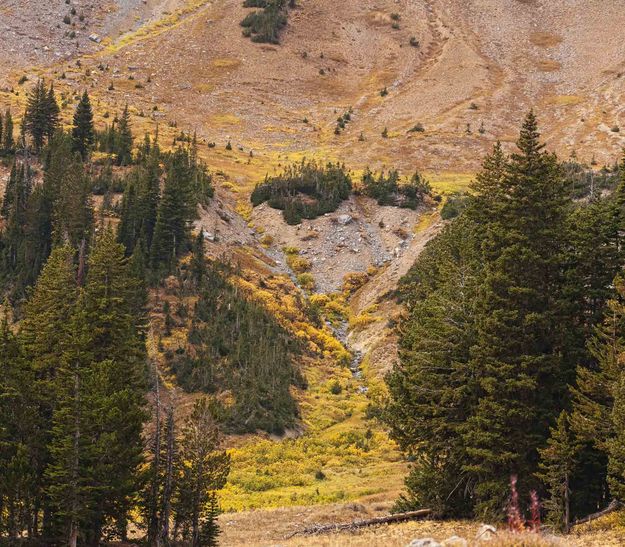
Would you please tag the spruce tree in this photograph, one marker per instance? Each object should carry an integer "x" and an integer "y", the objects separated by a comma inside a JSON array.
[
  {"x": 176, "y": 211},
  {"x": 432, "y": 391},
  {"x": 557, "y": 465},
  {"x": 517, "y": 359},
  {"x": 83, "y": 133},
  {"x": 52, "y": 113},
  {"x": 8, "y": 143},
  {"x": 44, "y": 334},
  {"x": 19, "y": 439},
  {"x": 124, "y": 139},
  {"x": 203, "y": 468},
  {"x": 41, "y": 118},
  {"x": 598, "y": 398}
]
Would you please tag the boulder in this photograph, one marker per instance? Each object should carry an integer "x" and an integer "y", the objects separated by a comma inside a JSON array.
[{"x": 344, "y": 220}]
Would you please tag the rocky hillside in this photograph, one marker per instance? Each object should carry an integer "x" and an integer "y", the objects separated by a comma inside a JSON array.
[{"x": 465, "y": 71}]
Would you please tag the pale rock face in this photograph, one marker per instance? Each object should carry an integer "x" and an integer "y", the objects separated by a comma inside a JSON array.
[{"x": 344, "y": 220}]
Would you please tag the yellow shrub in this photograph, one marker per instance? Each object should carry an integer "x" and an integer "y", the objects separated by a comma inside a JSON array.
[{"x": 298, "y": 264}]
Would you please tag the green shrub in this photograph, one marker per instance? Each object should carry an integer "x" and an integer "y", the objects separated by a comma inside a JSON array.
[
  {"x": 389, "y": 189},
  {"x": 264, "y": 26},
  {"x": 305, "y": 190}
]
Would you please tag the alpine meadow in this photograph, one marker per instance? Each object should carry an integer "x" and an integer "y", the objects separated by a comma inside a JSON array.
[{"x": 312, "y": 273}]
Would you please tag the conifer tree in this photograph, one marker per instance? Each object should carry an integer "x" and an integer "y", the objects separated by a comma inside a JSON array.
[
  {"x": 517, "y": 359},
  {"x": 432, "y": 392},
  {"x": 19, "y": 433},
  {"x": 41, "y": 118},
  {"x": 1, "y": 133},
  {"x": 44, "y": 333},
  {"x": 176, "y": 211},
  {"x": 203, "y": 468},
  {"x": 52, "y": 113},
  {"x": 124, "y": 139},
  {"x": 557, "y": 466},
  {"x": 83, "y": 133},
  {"x": 597, "y": 396},
  {"x": 8, "y": 143}
]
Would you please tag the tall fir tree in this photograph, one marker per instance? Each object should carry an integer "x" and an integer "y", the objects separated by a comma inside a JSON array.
[
  {"x": 19, "y": 436},
  {"x": 556, "y": 468},
  {"x": 83, "y": 133},
  {"x": 598, "y": 400},
  {"x": 518, "y": 357},
  {"x": 8, "y": 142},
  {"x": 176, "y": 211},
  {"x": 203, "y": 468},
  {"x": 41, "y": 117},
  {"x": 124, "y": 139}
]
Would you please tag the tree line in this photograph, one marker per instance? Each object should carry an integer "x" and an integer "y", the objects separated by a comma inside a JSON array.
[
  {"x": 80, "y": 450},
  {"x": 511, "y": 350}
]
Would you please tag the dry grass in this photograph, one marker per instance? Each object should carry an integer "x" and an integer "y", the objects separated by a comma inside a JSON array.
[{"x": 270, "y": 527}]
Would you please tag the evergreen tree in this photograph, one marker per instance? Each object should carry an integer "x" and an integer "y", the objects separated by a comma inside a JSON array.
[
  {"x": 44, "y": 333},
  {"x": 19, "y": 435},
  {"x": 597, "y": 397},
  {"x": 557, "y": 466},
  {"x": 124, "y": 139},
  {"x": 202, "y": 469},
  {"x": 8, "y": 143},
  {"x": 41, "y": 118},
  {"x": 432, "y": 391},
  {"x": 176, "y": 211},
  {"x": 518, "y": 358},
  {"x": 73, "y": 213},
  {"x": 51, "y": 112},
  {"x": 83, "y": 134}
]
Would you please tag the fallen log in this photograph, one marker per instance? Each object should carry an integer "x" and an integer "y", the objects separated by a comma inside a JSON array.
[
  {"x": 615, "y": 505},
  {"x": 338, "y": 527}
]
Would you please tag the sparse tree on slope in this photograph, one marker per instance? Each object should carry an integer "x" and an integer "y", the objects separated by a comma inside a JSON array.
[{"x": 83, "y": 134}]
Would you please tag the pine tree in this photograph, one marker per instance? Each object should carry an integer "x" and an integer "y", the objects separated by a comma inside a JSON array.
[
  {"x": 198, "y": 264},
  {"x": 124, "y": 139},
  {"x": 52, "y": 113},
  {"x": 432, "y": 391},
  {"x": 1, "y": 133},
  {"x": 14, "y": 205},
  {"x": 8, "y": 143},
  {"x": 202, "y": 469},
  {"x": 73, "y": 213},
  {"x": 521, "y": 327},
  {"x": 209, "y": 528},
  {"x": 176, "y": 211},
  {"x": 597, "y": 397},
  {"x": 557, "y": 465},
  {"x": 41, "y": 118},
  {"x": 44, "y": 333},
  {"x": 83, "y": 133},
  {"x": 19, "y": 435}
]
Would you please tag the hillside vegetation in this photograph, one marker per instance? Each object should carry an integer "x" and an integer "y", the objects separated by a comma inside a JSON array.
[{"x": 267, "y": 264}]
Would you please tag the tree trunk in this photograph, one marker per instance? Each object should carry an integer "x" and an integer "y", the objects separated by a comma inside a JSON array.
[
  {"x": 169, "y": 472},
  {"x": 73, "y": 535},
  {"x": 567, "y": 516}
]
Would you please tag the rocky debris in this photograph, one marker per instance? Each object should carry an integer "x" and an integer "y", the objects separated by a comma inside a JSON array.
[
  {"x": 344, "y": 220},
  {"x": 360, "y": 234},
  {"x": 424, "y": 542}
]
